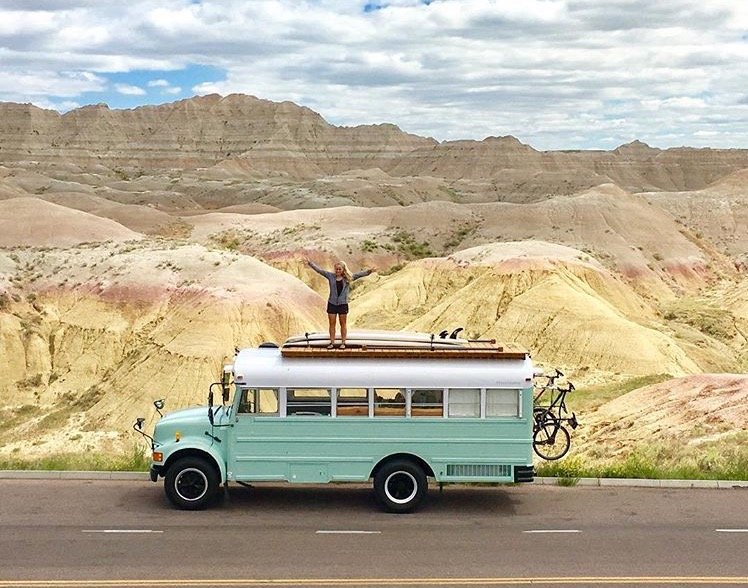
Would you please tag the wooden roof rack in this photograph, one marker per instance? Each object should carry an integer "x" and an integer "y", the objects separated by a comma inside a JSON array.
[{"x": 471, "y": 350}]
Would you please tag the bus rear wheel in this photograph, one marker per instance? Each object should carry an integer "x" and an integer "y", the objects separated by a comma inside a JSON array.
[
  {"x": 400, "y": 486},
  {"x": 191, "y": 483}
]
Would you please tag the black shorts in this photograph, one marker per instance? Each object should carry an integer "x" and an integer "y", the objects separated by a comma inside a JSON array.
[{"x": 337, "y": 308}]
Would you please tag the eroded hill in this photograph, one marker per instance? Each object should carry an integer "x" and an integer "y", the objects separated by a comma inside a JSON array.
[
  {"x": 213, "y": 151},
  {"x": 138, "y": 248}
]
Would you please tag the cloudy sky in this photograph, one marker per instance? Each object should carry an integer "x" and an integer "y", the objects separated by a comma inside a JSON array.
[{"x": 554, "y": 73}]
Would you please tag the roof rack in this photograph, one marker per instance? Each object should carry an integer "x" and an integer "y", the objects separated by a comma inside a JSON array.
[{"x": 421, "y": 349}]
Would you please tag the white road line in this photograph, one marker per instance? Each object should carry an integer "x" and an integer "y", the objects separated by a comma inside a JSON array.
[
  {"x": 731, "y": 530},
  {"x": 553, "y": 531},
  {"x": 343, "y": 532},
  {"x": 120, "y": 531}
]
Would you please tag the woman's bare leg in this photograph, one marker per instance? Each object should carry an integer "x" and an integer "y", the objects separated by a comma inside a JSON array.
[
  {"x": 331, "y": 324},
  {"x": 343, "y": 327}
]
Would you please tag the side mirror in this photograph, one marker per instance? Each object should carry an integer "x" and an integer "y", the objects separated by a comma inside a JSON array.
[
  {"x": 139, "y": 423},
  {"x": 226, "y": 382}
]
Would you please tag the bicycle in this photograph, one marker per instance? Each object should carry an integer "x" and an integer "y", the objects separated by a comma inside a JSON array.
[
  {"x": 551, "y": 439},
  {"x": 540, "y": 412}
]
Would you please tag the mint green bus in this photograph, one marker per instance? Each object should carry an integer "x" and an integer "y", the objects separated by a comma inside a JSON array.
[{"x": 396, "y": 414}]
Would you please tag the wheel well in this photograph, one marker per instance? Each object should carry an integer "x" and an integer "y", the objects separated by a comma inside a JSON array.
[
  {"x": 407, "y": 457},
  {"x": 192, "y": 453}
]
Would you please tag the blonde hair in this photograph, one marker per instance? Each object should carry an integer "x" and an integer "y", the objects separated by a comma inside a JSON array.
[{"x": 346, "y": 272}]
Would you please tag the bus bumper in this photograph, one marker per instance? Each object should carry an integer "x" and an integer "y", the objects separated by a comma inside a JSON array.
[{"x": 524, "y": 473}]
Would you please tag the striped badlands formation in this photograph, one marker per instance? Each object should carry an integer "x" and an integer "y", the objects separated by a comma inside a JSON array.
[{"x": 139, "y": 247}]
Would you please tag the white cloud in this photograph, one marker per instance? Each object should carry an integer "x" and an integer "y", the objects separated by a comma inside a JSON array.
[
  {"x": 129, "y": 90},
  {"x": 546, "y": 71},
  {"x": 165, "y": 86},
  {"x": 37, "y": 86}
]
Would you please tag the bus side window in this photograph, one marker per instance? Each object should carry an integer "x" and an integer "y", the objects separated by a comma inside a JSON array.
[
  {"x": 308, "y": 402},
  {"x": 246, "y": 403},
  {"x": 267, "y": 401},
  {"x": 259, "y": 401},
  {"x": 464, "y": 402},
  {"x": 502, "y": 402},
  {"x": 353, "y": 402},
  {"x": 427, "y": 402},
  {"x": 389, "y": 402}
]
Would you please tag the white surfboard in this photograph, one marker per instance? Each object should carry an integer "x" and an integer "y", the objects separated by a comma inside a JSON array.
[
  {"x": 376, "y": 338},
  {"x": 371, "y": 344}
]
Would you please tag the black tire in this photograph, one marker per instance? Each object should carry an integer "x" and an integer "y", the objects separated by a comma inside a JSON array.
[
  {"x": 551, "y": 441},
  {"x": 400, "y": 486},
  {"x": 191, "y": 483}
]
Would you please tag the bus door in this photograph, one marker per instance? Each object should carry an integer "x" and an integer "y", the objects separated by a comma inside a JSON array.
[{"x": 254, "y": 452}]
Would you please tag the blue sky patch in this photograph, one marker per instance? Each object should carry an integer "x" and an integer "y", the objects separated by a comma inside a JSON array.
[
  {"x": 135, "y": 88},
  {"x": 373, "y": 6}
]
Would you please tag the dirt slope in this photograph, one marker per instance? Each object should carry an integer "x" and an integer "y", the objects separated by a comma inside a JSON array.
[
  {"x": 127, "y": 324},
  {"x": 685, "y": 416},
  {"x": 34, "y": 222}
]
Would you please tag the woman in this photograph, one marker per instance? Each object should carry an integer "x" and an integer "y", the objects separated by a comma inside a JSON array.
[{"x": 337, "y": 304}]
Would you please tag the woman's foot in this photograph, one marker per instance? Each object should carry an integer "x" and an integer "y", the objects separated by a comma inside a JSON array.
[
  {"x": 342, "y": 346},
  {"x": 331, "y": 346}
]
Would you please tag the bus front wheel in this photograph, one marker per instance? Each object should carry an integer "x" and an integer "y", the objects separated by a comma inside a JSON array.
[
  {"x": 191, "y": 483},
  {"x": 400, "y": 486}
]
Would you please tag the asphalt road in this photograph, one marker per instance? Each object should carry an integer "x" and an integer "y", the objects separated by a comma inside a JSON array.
[{"x": 124, "y": 534}]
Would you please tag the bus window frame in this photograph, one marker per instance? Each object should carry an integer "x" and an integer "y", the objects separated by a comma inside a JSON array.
[
  {"x": 405, "y": 391},
  {"x": 481, "y": 412},
  {"x": 369, "y": 404},
  {"x": 254, "y": 390},
  {"x": 330, "y": 397},
  {"x": 409, "y": 402}
]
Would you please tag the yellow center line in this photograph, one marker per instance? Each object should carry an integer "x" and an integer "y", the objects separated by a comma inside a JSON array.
[{"x": 250, "y": 582}]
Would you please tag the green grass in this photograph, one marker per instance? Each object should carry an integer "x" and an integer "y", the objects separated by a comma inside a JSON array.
[
  {"x": 704, "y": 316},
  {"x": 406, "y": 244},
  {"x": 135, "y": 460},
  {"x": 726, "y": 459}
]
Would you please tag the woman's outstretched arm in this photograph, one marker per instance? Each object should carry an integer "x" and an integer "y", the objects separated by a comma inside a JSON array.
[
  {"x": 362, "y": 273},
  {"x": 318, "y": 269}
]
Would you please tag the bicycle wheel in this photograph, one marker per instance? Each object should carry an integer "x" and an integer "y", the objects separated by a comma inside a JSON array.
[{"x": 551, "y": 441}]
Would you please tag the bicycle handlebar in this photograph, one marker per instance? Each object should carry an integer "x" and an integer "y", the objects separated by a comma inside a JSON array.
[{"x": 552, "y": 377}]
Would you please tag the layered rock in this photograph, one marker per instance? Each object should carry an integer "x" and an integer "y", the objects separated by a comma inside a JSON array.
[
  {"x": 245, "y": 137},
  {"x": 517, "y": 172},
  {"x": 199, "y": 132}
]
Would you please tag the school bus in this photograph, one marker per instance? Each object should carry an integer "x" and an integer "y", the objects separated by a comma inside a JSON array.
[{"x": 392, "y": 408}]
